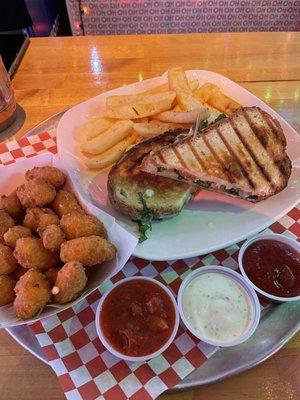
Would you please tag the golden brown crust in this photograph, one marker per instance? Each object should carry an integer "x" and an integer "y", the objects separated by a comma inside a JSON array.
[
  {"x": 7, "y": 294},
  {"x": 48, "y": 173},
  {"x": 14, "y": 233},
  {"x": 8, "y": 263},
  {"x": 51, "y": 274},
  {"x": 70, "y": 282},
  {"x": 31, "y": 253},
  {"x": 6, "y": 222},
  {"x": 11, "y": 204},
  {"x": 52, "y": 237},
  {"x": 76, "y": 225},
  {"x": 35, "y": 193},
  {"x": 65, "y": 202},
  {"x": 33, "y": 292},
  {"x": 89, "y": 251},
  {"x": 39, "y": 218},
  {"x": 126, "y": 171}
]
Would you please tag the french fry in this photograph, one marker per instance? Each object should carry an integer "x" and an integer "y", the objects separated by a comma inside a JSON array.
[
  {"x": 111, "y": 155},
  {"x": 153, "y": 128},
  {"x": 193, "y": 84},
  {"x": 138, "y": 106},
  {"x": 179, "y": 83},
  {"x": 177, "y": 108},
  {"x": 146, "y": 119},
  {"x": 94, "y": 127},
  {"x": 212, "y": 95},
  {"x": 178, "y": 117},
  {"x": 132, "y": 118},
  {"x": 119, "y": 131}
]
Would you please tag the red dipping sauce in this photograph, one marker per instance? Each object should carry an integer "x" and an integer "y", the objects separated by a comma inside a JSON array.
[
  {"x": 274, "y": 267},
  {"x": 137, "y": 317}
]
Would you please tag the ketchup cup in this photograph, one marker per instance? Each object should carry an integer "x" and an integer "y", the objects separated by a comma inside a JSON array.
[{"x": 276, "y": 237}]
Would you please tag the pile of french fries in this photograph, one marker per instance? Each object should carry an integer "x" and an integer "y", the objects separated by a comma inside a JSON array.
[{"x": 131, "y": 118}]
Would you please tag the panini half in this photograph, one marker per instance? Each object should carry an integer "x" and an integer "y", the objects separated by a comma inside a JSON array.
[
  {"x": 243, "y": 156},
  {"x": 165, "y": 197}
]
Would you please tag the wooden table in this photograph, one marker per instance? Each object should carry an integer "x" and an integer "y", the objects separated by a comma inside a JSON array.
[{"x": 59, "y": 72}]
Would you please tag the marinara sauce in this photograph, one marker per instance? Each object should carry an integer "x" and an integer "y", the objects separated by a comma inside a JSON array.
[
  {"x": 137, "y": 317},
  {"x": 274, "y": 267}
]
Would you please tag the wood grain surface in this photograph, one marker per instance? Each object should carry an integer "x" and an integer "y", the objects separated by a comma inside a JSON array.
[{"x": 59, "y": 72}]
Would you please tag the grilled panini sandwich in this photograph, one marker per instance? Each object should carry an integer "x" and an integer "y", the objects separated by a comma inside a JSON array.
[
  {"x": 243, "y": 156},
  {"x": 165, "y": 197}
]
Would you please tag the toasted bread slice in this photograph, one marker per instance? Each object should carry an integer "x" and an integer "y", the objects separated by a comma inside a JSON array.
[
  {"x": 126, "y": 182},
  {"x": 243, "y": 156}
]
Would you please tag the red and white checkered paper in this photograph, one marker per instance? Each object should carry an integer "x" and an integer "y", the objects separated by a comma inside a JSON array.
[{"x": 85, "y": 369}]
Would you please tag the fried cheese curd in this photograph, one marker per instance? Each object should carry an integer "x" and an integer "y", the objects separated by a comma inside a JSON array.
[
  {"x": 33, "y": 292},
  {"x": 6, "y": 222},
  {"x": 39, "y": 218},
  {"x": 77, "y": 225},
  {"x": 35, "y": 193},
  {"x": 14, "y": 233},
  {"x": 31, "y": 253},
  {"x": 7, "y": 294},
  {"x": 51, "y": 275},
  {"x": 8, "y": 263},
  {"x": 30, "y": 266},
  {"x": 65, "y": 203},
  {"x": 52, "y": 237},
  {"x": 70, "y": 282},
  {"x": 49, "y": 174},
  {"x": 11, "y": 204},
  {"x": 89, "y": 250}
]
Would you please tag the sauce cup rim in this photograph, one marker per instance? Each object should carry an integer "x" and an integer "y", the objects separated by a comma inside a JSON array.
[
  {"x": 251, "y": 296},
  {"x": 115, "y": 352},
  {"x": 272, "y": 236}
]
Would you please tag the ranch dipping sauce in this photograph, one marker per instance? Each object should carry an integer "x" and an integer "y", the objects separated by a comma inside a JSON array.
[{"x": 216, "y": 307}]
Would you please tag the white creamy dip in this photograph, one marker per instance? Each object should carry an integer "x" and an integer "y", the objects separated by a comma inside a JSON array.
[{"x": 216, "y": 307}]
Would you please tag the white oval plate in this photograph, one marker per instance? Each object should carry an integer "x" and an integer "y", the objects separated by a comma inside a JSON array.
[{"x": 210, "y": 221}]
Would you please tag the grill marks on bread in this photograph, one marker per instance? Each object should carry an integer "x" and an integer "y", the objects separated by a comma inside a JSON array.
[{"x": 247, "y": 150}]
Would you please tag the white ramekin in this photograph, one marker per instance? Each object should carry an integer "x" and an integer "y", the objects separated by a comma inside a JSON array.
[
  {"x": 249, "y": 292},
  {"x": 148, "y": 356},
  {"x": 270, "y": 236}
]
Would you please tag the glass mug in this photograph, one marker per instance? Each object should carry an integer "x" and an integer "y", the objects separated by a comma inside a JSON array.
[{"x": 7, "y": 99}]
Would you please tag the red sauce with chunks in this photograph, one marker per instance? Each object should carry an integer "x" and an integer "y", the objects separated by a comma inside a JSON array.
[
  {"x": 137, "y": 317},
  {"x": 273, "y": 267}
]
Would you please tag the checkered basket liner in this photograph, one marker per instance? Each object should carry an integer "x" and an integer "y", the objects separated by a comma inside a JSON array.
[{"x": 85, "y": 369}]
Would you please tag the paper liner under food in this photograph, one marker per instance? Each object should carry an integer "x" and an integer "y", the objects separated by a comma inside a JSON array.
[{"x": 13, "y": 176}]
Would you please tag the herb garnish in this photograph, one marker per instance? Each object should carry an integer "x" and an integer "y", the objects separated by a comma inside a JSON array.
[
  {"x": 145, "y": 220},
  {"x": 219, "y": 117},
  {"x": 205, "y": 124}
]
